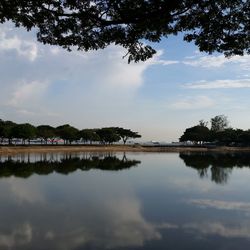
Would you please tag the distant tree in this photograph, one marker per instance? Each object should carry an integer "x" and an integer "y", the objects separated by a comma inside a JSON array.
[
  {"x": 217, "y": 25},
  {"x": 24, "y": 132},
  {"x": 196, "y": 134},
  {"x": 108, "y": 135},
  {"x": 88, "y": 135},
  {"x": 46, "y": 132},
  {"x": 244, "y": 138},
  {"x": 126, "y": 134},
  {"x": 7, "y": 127},
  {"x": 227, "y": 136},
  {"x": 2, "y": 131},
  {"x": 219, "y": 123},
  {"x": 203, "y": 123},
  {"x": 67, "y": 133}
]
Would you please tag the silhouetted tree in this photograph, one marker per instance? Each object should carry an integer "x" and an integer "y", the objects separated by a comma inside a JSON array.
[
  {"x": 88, "y": 135},
  {"x": 46, "y": 132},
  {"x": 126, "y": 134},
  {"x": 67, "y": 133},
  {"x": 217, "y": 25},
  {"x": 196, "y": 134},
  {"x": 6, "y": 130},
  {"x": 10, "y": 130},
  {"x": 108, "y": 135},
  {"x": 24, "y": 132},
  {"x": 219, "y": 123}
]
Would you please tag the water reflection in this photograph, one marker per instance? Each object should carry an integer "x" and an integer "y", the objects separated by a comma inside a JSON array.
[
  {"x": 159, "y": 205},
  {"x": 93, "y": 210},
  {"x": 217, "y": 166},
  {"x": 44, "y": 164}
]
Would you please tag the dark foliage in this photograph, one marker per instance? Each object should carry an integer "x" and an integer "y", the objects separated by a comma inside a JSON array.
[
  {"x": 218, "y": 134},
  {"x": 46, "y": 133},
  {"x": 217, "y": 166},
  {"x": 65, "y": 165},
  {"x": 217, "y": 25}
]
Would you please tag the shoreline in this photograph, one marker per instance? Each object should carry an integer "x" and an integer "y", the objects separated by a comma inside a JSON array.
[{"x": 114, "y": 148}]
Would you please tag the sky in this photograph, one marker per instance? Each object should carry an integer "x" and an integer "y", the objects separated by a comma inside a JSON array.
[{"x": 159, "y": 98}]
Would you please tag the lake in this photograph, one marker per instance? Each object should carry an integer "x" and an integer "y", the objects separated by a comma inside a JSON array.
[{"x": 125, "y": 201}]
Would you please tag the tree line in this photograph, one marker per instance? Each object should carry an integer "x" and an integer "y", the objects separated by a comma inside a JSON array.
[
  {"x": 10, "y": 132},
  {"x": 219, "y": 133}
]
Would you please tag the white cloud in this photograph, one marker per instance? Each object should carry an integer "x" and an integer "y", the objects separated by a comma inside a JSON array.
[
  {"x": 219, "y": 84},
  {"x": 156, "y": 60},
  {"x": 55, "y": 50},
  {"x": 26, "y": 92},
  {"x": 217, "y": 61},
  {"x": 195, "y": 102},
  {"x": 25, "y": 112},
  {"x": 77, "y": 82},
  {"x": 23, "y": 48}
]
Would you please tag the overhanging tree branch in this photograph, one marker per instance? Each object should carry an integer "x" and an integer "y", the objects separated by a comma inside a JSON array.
[{"x": 218, "y": 25}]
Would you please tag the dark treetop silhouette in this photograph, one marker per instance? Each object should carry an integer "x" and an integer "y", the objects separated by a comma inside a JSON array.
[
  {"x": 218, "y": 134},
  {"x": 217, "y": 25},
  {"x": 26, "y": 132}
]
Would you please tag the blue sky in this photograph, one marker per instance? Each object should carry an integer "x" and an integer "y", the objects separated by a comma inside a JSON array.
[{"x": 158, "y": 98}]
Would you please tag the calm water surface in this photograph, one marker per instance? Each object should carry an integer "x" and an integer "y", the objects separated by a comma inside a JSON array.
[{"x": 133, "y": 201}]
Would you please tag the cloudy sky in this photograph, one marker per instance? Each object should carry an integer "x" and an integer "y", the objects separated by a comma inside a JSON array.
[{"x": 158, "y": 98}]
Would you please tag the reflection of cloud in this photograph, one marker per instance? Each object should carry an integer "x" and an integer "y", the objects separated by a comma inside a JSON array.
[
  {"x": 224, "y": 205},
  {"x": 129, "y": 227},
  {"x": 107, "y": 217},
  {"x": 199, "y": 185},
  {"x": 19, "y": 236},
  {"x": 24, "y": 192},
  {"x": 166, "y": 225},
  {"x": 122, "y": 226},
  {"x": 219, "y": 229}
]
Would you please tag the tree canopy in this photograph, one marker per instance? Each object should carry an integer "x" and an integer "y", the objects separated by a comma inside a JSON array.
[
  {"x": 67, "y": 133},
  {"x": 196, "y": 134},
  {"x": 219, "y": 133},
  {"x": 24, "y": 131},
  {"x": 14, "y": 132},
  {"x": 46, "y": 132},
  {"x": 219, "y": 123},
  {"x": 218, "y": 25},
  {"x": 125, "y": 134},
  {"x": 108, "y": 135}
]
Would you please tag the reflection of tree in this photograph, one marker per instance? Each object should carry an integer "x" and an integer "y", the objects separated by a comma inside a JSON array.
[
  {"x": 64, "y": 164},
  {"x": 220, "y": 175},
  {"x": 219, "y": 164}
]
